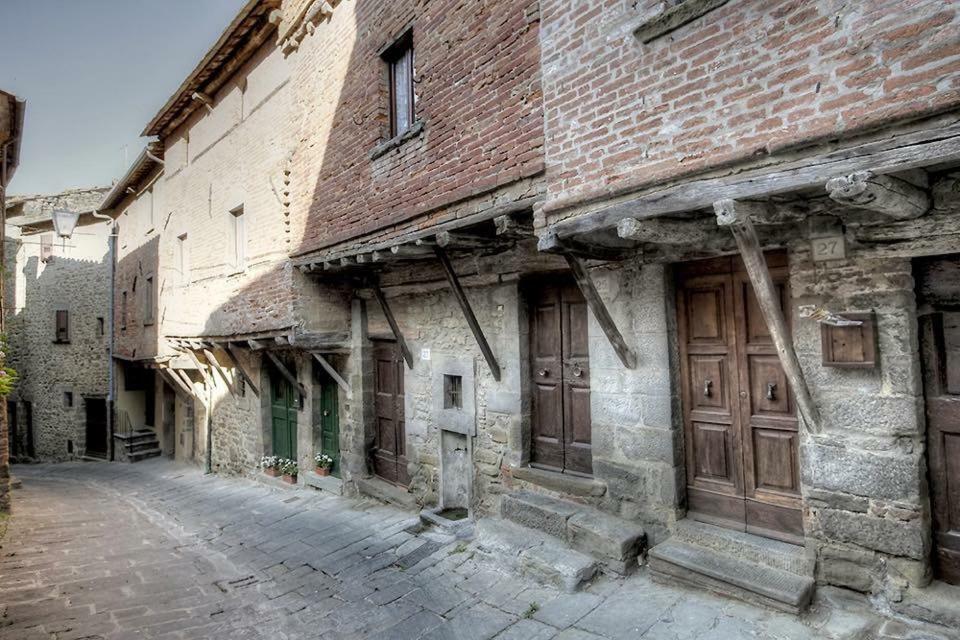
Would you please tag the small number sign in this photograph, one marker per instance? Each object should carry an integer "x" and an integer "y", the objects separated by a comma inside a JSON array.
[{"x": 829, "y": 248}]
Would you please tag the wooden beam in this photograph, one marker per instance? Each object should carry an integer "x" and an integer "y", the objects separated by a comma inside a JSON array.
[
  {"x": 916, "y": 149},
  {"x": 255, "y": 345},
  {"x": 286, "y": 373},
  {"x": 601, "y": 313},
  {"x": 202, "y": 369},
  {"x": 333, "y": 374},
  {"x": 464, "y": 303},
  {"x": 394, "y": 327},
  {"x": 884, "y": 194},
  {"x": 409, "y": 251},
  {"x": 551, "y": 242},
  {"x": 454, "y": 240},
  {"x": 736, "y": 216},
  {"x": 189, "y": 383},
  {"x": 509, "y": 225},
  {"x": 235, "y": 358},
  {"x": 223, "y": 374},
  {"x": 177, "y": 382},
  {"x": 660, "y": 231}
]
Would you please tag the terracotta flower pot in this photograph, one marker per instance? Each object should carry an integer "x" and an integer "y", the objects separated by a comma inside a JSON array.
[
  {"x": 323, "y": 471},
  {"x": 270, "y": 471},
  {"x": 289, "y": 479}
]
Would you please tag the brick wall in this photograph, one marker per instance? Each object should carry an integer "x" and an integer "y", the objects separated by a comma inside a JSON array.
[
  {"x": 478, "y": 95},
  {"x": 746, "y": 79}
]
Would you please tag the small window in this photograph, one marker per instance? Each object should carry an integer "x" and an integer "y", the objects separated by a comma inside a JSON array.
[
  {"x": 100, "y": 327},
  {"x": 68, "y": 399},
  {"x": 148, "y": 301},
  {"x": 452, "y": 392},
  {"x": 399, "y": 59},
  {"x": 183, "y": 258},
  {"x": 123, "y": 310},
  {"x": 63, "y": 326},
  {"x": 239, "y": 239},
  {"x": 46, "y": 247}
]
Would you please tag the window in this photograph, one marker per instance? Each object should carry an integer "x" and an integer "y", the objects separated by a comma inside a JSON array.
[
  {"x": 46, "y": 247},
  {"x": 452, "y": 392},
  {"x": 63, "y": 326},
  {"x": 100, "y": 327},
  {"x": 123, "y": 310},
  {"x": 182, "y": 257},
  {"x": 148, "y": 298},
  {"x": 399, "y": 59},
  {"x": 239, "y": 237},
  {"x": 68, "y": 399}
]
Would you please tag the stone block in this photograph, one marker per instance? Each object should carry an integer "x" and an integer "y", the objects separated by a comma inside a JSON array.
[
  {"x": 648, "y": 444},
  {"x": 846, "y": 567},
  {"x": 564, "y": 568},
  {"x": 538, "y": 512},
  {"x": 605, "y": 535},
  {"x": 884, "y": 476},
  {"x": 888, "y": 536}
]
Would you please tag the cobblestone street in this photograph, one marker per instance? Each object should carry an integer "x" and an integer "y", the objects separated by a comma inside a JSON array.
[{"x": 157, "y": 550}]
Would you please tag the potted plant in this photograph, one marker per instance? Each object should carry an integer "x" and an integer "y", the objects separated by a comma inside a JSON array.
[
  {"x": 289, "y": 471},
  {"x": 270, "y": 465},
  {"x": 324, "y": 464}
]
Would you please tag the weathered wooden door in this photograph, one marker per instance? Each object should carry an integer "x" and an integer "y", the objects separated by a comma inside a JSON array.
[
  {"x": 740, "y": 421},
  {"x": 96, "y": 427},
  {"x": 939, "y": 284},
  {"x": 561, "y": 434},
  {"x": 328, "y": 417},
  {"x": 284, "y": 402},
  {"x": 389, "y": 447}
]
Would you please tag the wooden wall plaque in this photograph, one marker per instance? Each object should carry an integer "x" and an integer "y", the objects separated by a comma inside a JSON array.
[{"x": 851, "y": 347}]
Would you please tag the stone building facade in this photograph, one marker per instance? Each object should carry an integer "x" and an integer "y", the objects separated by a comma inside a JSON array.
[{"x": 58, "y": 293}]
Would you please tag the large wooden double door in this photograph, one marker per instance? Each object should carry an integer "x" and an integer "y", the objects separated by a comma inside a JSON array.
[
  {"x": 561, "y": 434},
  {"x": 939, "y": 293},
  {"x": 390, "y": 440},
  {"x": 740, "y": 424}
]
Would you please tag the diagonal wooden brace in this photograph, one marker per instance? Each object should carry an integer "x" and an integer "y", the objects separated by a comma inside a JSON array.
[
  {"x": 735, "y": 215},
  {"x": 471, "y": 318},
  {"x": 333, "y": 373},
  {"x": 235, "y": 359},
  {"x": 394, "y": 327}
]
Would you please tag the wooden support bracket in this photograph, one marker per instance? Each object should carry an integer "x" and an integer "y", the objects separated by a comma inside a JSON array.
[
  {"x": 343, "y": 384},
  {"x": 286, "y": 373},
  {"x": 600, "y": 312},
  {"x": 881, "y": 193},
  {"x": 394, "y": 327},
  {"x": 461, "y": 297},
  {"x": 178, "y": 384},
  {"x": 736, "y": 215},
  {"x": 223, "y": 374},
  {"x": 189, "y": 384},
  {"x": 202, "y": 369},
  {"x": 235, "y": 358}
]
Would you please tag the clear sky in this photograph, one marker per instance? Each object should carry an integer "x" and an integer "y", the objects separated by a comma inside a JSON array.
[{"x": 93, "y": 73}]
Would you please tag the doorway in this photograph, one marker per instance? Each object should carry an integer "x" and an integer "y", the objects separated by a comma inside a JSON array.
[
  {"x": 284, "y": 404},
  {"x": 390, "y": 438},
  {"x": 96, "y": 419},
  {"x": 169, "y": 421},
  {"x": 938, "y": 298},
  {"x": 327, "y": 416},
  {"x": 561, "y": 430},
  {"x": 740, "y": 425}
]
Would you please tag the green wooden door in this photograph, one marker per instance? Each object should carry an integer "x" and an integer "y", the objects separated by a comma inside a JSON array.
[
  {"x": 283, "y": 413},
  {"x": 330, "y": 423}
]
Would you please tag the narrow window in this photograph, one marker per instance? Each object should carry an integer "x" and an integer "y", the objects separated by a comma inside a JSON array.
[
  {"x": 123, "y": 310},
  {"x": 100, "y": 327},
  {"x": 63, "y": 326},
  {"x": 148, "y": 306},
  {"x": 399, "y": 59},
  {"x": 46, "y": 247},
  {"x": 183, "y": 258},
  {"x": 239, "y": 234},
  {"x": 452, "y": 392},
  {"x": 68, "y": 399}
]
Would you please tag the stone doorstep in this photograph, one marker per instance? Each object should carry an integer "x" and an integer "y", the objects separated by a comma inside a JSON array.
[
  {"x": 615, "y": 542},
  {"x": 560, "y": 482},
  {"x": 716, "y": 571},
  {"x": 938, "y": 603},
  {"x": 534, "y": 554},
  {"x": 329, "y": 484},
  {"x": 749, "y": 547},
  {"x": 461, "y": 529},
  {"x": 386, "y": 492}
]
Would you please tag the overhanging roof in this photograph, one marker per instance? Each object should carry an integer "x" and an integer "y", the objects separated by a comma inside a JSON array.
[
  {"x": 149, "y": 158},
  {"x": 15, "y": 109},
  {"x": 242, "y": 37}
]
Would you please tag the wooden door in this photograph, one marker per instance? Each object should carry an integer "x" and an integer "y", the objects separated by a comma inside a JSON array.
[
  {"x": 938, "y": 283},
  {"x": 561, "y": 433},
  {"x": 96, "y": 427},
  {"x": 284, "y": 402},
  {"x": 389, "y": 447},
  {"x": 740, "y": 423},
  {"x": 328, "y": 417}
]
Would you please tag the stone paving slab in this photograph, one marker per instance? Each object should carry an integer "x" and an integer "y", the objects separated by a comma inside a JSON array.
[{"x": 159, "y": 551}]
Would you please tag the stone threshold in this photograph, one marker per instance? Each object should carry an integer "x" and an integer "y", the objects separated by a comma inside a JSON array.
[
  {"x": 382, "y": 490},
  {"x": 560, "y": 482},
  {"x": 330, "y": 484}
]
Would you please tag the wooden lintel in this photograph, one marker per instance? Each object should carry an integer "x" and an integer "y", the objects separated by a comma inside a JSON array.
[
  {"x": 551, "y": 242},
  {"x": 392, "y": 321},
  {"x": 409, "y": 251},
  {"x": 736, "y": 215},
  {"x": 343, "y": 384},
  {"x": 455, "y": 240},
  {"x": 281, "y": 341},
  {"x": 235, "y": 358},
  {"x": 464, "y": 303},
  {"x": 600, "y": 312},
  {"x": 212, "y": 359},
  {"x": 884, "y": 194},
  {"x": 659, "y": 231},
  {"x": 286, "y": 373}
]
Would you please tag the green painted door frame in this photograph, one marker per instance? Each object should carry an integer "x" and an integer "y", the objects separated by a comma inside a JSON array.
[
  {"x": 330, "y": 423},
  {"x": 284, "y": 402}
]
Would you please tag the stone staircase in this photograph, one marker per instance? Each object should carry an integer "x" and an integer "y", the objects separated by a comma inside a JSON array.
[
  {"x": 558, "y": 542},
  {"x": 754, "y": 569},
  {"x": 139, "y": 445}
]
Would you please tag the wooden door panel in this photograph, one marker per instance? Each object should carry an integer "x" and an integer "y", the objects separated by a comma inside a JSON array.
[
  {"x": 713, "y": 452},
  {"x": 389, "y": 460},
  {"x": 769, "y": 391},
  {"x": 706, "y": 315},
  {"x": 775, "y": 460},
  {"x": 709, "y": 384}
]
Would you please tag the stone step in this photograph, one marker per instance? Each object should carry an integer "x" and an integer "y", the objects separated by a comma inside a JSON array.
[
  {"x": 938, "y": 603},
  {"x": 616, "y": 543},
  {"x": 144, "y": 445},
  {"x": 137, "y": 456},
  {"x": 710, "y": 569},
  {"x": 749, "y": 547},
  {"x": 534, "y": 554}
]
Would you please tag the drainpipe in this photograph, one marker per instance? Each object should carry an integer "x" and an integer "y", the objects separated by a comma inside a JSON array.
[
  {"x": 111, "y": 257},
  {"x": 208, "y": 462}
]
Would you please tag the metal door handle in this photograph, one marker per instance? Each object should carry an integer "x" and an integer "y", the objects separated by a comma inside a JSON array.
[
  {"x": 706, "y": 388},
  {"x": 577, "y": 371},
  {"x": 326, "y": 412},
  {"x": 543, "y": 373},
  {"x": 771, "y": 391}
]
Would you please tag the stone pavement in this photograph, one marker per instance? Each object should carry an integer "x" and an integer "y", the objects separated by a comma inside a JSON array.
[{"x": 158, "y": 550}]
